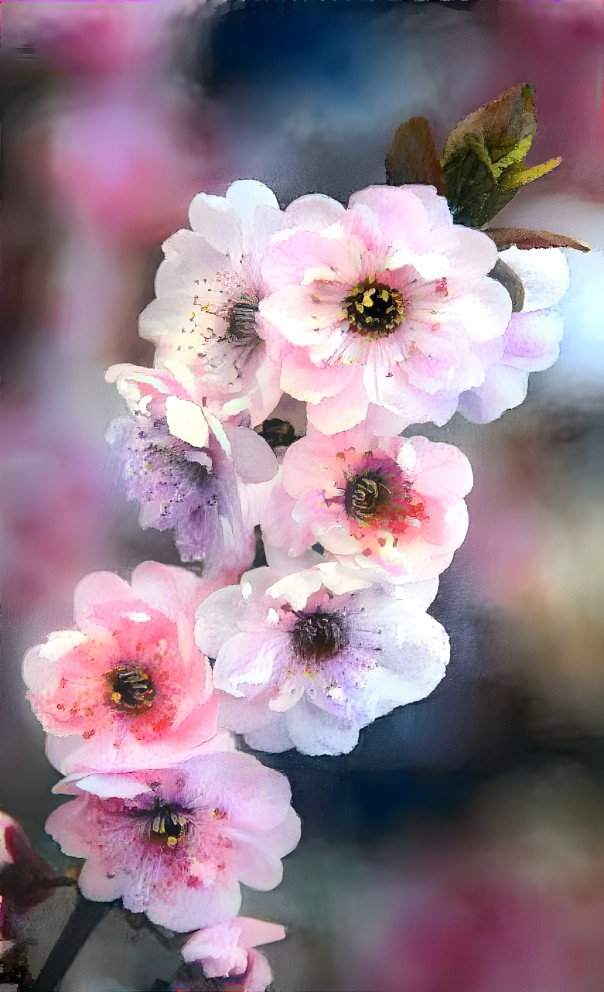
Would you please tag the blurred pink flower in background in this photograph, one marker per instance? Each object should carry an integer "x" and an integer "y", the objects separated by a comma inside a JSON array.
[
  {"x": 53, "y": 504},
  {"x": 122, "y": 153},
  {"x": 509, "y": 898}
]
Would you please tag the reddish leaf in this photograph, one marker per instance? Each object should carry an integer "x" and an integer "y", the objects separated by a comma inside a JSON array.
[
  {"x": 505, "y": 237},
  {"x": 412, "y": 156}
]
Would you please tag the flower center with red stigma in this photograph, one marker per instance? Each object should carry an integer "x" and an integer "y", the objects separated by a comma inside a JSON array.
[
  {"x": 383, "y": 497},
  {"x": 319, "y": 636},
  {"x": 373, "y": 309},
  {"x": 132, "y": 689},
  {"x": 366, "y": 496}
]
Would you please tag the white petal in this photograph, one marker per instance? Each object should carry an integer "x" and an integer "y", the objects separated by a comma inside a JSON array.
[
  {"x": 247, "y": 194},
  {"x": 314, "y": 731},
  {"x": 218, "y": 221},
  {"x": 272, "y": 737},
  {"x": 187, "y": 422},
  {"x": 544, "y": 273}
]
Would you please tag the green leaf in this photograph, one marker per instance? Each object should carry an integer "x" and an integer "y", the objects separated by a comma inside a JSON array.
[
  {"x": 497, "y": 137},
  {"x": 501, "y": 125},
  {"x": 471, "y": 184},
  {"x": 516, "y": 180},
  {"x": 412, "y": 156}
]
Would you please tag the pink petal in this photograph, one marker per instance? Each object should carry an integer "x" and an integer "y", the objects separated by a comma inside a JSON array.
[
  {"x": 299, "y": 317},
  {"x": 313, "y": 212},
  {"x": 97, "y": 589},
  {"x": 253, "y": 459},
  {"x": 532, "y": 340},
  {"x": 401, "y": 216},
  {"x": 339, "y": 413},
  {"x": 257, "y": 932},
  {"x": 294, "y": 255},
  {"x": 443, "y": 470}
]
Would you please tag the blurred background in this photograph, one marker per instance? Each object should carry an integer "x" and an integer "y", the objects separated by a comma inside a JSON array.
[{"x": 460, "y": 847}]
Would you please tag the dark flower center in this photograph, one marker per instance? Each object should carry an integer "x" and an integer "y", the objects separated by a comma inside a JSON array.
[
  {"x": 197, "y": 475},
  {"x": 373, "y": 309},
  {"x": 132, "y": 689},
  {"x": 319, "y": 636},
  {"x": 168, "y": 823},
  {"x": 277, "y": 433},
  {"x": 241, "y": 327},
  {"x": 366, "y": 495}
]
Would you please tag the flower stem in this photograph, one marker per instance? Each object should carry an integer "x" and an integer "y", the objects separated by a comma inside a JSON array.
[{"x": 84, "y": 918}]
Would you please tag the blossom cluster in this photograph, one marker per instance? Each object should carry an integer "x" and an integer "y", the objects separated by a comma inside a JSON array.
[
  {"x": 293, "y": 348},
  {"x": 167, "y": 813}
]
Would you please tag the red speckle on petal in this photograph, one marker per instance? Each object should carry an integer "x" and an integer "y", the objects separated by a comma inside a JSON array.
[
  {"x": 88, "y": 734},
  {"x": 367, "y": 552}
]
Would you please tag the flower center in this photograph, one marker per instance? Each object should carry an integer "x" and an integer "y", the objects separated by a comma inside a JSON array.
[
  {"x": 168, "y": 824},
  {"x": 241, "y": 327},
  {"x": 373, "y": 309},
  {"x": 277, "y": 433},
  {"x": 319, "y": 636},
  {"x": 132, "y": 689},
  {"x": 366, "y": 496},
  {"x": 197, "y": 475}
]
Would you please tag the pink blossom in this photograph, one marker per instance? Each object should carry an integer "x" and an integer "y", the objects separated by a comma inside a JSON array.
[
  {"x": 307, "y": 659},
  {"x": 175, "y": 843},
  {"x": 129, "y": 688},
  {"x": 489, "y": 924},
  {"x": 386, "y": 503},
  {"x": 118, "y": 150},
  {"x": 532, "y": 339},
  {"x": 227, "y": 950},
  {"x": 208, "y": 288},
  {"x": 190, "y": 472},
  {"x": 387, "y": 303}
]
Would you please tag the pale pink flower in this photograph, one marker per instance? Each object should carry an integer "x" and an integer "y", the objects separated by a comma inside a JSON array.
[
  {"x": 129, "y": 688},
  {"x": 190, "y": 472},
  {"x": 175, "y": 843},
  {"x": 388, "y": 303},
  {"x": 208, "y": 290},
  {"x": 532, "y": 339},
  {"x": 389, "y": 504},
  {"x": 226, "y": 951},
  {"x": 307, "y": 659}
]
